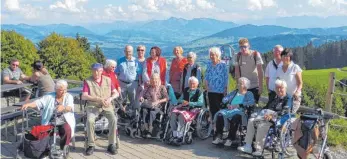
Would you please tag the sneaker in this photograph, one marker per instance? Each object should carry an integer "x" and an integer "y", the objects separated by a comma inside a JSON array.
[
  {"x": 228, "y": 143},
  {"x": 217, "y": 141},
  {"x": 246, "y": 149},
  {"x": 89, "y": 150},
  {"x": 149, "y": 135},
  {"x": 112, "y": 149},
  {"x": 257, "y": 153}
]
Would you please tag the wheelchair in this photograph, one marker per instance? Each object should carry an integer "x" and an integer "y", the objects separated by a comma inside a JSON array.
[
  {"x": 242, "y": 128},
  {"x": 135, "y": 128},
  {"x": 279, "y": 136},
  {"x": 198, "y": 125}
]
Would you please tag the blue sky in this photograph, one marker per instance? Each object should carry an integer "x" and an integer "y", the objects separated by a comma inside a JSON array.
[{"x": 100, "y": 11}]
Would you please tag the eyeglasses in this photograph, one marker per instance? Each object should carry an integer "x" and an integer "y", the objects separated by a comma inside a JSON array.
[
  {"x": 140, "y": 50},
  {"x": 14, "y": 65},
  {"x": 243, "y": 47}
]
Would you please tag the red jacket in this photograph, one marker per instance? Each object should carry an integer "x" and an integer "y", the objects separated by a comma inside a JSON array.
[
  {"x": 162, "y": 66},
  {"x": 113, "y": 77}
]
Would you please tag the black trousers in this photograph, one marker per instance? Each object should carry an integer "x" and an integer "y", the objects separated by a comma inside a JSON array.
[
  {"x": 256, "y": 94},
  {"x": 272, "y": 95},
  {"x": 215, "y": 99},
  {"x": 234, "y": 125},
  {"x": 177, "y": 95}
]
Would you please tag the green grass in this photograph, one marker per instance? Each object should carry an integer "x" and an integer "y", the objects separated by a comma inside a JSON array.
[
  {"x": 337, "y": 135},
  {"x": 322, "y": 76}
]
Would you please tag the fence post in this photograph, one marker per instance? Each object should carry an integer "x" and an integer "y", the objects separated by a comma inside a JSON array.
[{"x": 330, "y": 92}]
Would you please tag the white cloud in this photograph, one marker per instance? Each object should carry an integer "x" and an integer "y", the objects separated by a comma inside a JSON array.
[
  {"x": 69, "y": 5},
  {"x": 12, "y": 5},
  {"x": 254, "y": 5},
  {"x": 204, "y": 4},
  {"x": 315, "y": 2}
]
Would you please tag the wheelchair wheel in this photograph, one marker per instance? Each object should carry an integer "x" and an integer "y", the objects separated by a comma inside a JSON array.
[
  {"x": 188, "y": 138},
  {"x": 204, "y": 126},
  {"x": 98, "y": 132},
  {"x": 286, "y": 136}
]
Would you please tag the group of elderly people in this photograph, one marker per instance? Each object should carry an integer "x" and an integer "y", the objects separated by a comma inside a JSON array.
[{"x": 143, "y": 82}]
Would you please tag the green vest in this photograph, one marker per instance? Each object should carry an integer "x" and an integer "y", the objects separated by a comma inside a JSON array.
[{"x": 103, "y": 91}]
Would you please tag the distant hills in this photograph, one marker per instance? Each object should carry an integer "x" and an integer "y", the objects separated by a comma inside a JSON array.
[{"x": 193, "y": 35}]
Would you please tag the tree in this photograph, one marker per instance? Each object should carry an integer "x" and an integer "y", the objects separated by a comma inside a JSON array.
[
  {"x": 83, "y": 42},
  {"x": 14, "y": 45},
  {"x": 65, "y": 58},
  {"x": 98, "y": 54}
]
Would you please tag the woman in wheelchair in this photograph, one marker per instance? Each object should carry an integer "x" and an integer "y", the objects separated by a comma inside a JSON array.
[
  {"x": 262, "y": 121},
  {"x": 233, "y": 112},
  {"x": 191, "y": 101},
  {"x": 152, "y": 97}
]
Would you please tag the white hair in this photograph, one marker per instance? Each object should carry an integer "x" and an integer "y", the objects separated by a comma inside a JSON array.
[
  {"x": 281, "y": 82},
  {"x": 61, "y": 83},
  {"x": 192, "y": 54},
  {"x": 131, "y": 47},
  {"x": 246, "y": 81},
  {"x": 110, "y": 62},
  {"x": 193, "y": 79},
  {"x": 141, "y": 46},
  {"x": 279, "y": 47},
  {"x": 215, "y": 50},
  {"x": 156, "y": 75}
]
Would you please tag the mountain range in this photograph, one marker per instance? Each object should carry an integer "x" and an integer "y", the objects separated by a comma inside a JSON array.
[{"x": 193, "y": 35}]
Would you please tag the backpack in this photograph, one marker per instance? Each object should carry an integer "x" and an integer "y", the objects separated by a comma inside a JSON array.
[{"x": 238, "y": 58}]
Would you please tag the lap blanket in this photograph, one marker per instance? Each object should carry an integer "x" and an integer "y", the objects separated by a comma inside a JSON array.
[{"x": 188, "y": 115}]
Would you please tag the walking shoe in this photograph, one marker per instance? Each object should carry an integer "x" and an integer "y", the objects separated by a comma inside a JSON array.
[
  {"x": 228, "y": 143},
  {"x": 90, "y": 150},
  {"x": 112, "y": 149},
  {"x": 246, "y": 149},
  {"x": 217, "y": 141},
  {"x": 149, "y": 135},
  {"x": 257, "y": 153}
]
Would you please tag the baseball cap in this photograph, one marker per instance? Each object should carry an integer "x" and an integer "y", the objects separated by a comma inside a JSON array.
[{"x": 97, "y": 66}]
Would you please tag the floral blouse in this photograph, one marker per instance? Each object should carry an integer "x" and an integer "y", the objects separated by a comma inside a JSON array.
[
  {"x": 217, "y": 77},
  {"x": 153, "y": 94}
]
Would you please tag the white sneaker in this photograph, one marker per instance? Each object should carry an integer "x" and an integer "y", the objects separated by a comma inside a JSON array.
[
  {"x": 257, "y": 153},
  {"x": 246, "y": 149},
  {"x": 217, "y": 141},
  {"x": 228, "y": 143}
]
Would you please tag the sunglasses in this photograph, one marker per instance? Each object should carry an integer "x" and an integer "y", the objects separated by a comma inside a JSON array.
[
  {"x": 140, "y": 50},
  {"x": 243, "y": 47},
  {"x": 189, "y": 57}
]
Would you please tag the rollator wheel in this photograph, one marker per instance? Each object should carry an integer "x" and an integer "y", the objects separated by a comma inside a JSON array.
[
  {"x": 327, "y": 155},
  {"x": 66, "y": 151}
]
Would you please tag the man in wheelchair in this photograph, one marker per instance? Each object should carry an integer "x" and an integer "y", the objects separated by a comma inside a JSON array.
[
  {"x": 99, "y": 93},
  {"x": 152, "y": 98},
  {"x": 191, "y": 101},
  {"x": 261, "y": 122},
  {"x": 233, "y": 113}
]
